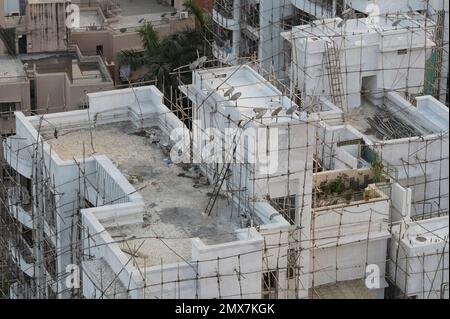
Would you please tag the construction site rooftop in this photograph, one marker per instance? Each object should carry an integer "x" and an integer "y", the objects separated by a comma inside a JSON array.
[
  {"x": 77, "y": 68},
  {"x": 133, "y": 14},
  {"x": 422, "y": 233},
  {"x": 396, "y": 118},
  {"x": 175, "y": 196},
  {"x": 337, "y": 27},
  {"x": 11, "y": 69},
  {"x": 241, "y": 89},
  {"x": 138, "y": 7}
]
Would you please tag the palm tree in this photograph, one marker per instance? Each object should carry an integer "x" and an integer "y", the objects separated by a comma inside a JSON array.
[{"x": 159, "y": 58}]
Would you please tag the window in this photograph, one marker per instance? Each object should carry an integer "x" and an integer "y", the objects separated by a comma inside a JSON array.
[
  {"x": 292, "y": 257},
  {"x": 99, "y": 49},
  {"x": 286, "y": 207},
  {"x": 269, "y": 285},
  {"x": 223, "y": 38},
  {"x": 402, "y": 51},
  {"x": 248, "y": 47},
  {"x": 224, "y": 8},
  {"x": 250, "y": 12},
  {"x": 7, "y": 110},
  {"x": 27, "y": 235}
]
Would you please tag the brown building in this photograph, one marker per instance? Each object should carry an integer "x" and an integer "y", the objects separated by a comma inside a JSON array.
[
  {"x": 35, "y": 25},
  {"x": 106, "y": 30},
  {"x": 14, "y": 91},
  {"x": 48, "y": 82},
  {"x": 205, "y": 5},
  {"x": 57, "y": 65}
]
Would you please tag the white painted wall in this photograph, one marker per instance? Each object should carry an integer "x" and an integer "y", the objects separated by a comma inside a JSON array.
[
  {"x": 361, "y": 54},
  {"x": 420, "y": 268}
]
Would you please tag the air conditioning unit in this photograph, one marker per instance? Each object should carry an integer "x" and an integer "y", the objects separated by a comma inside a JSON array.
[{"x": 183, "y": 15}]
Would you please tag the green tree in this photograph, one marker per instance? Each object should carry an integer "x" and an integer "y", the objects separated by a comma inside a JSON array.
[{"x": 159, "y": 58}]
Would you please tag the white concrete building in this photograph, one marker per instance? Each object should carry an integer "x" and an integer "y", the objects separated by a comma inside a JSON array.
[
  {"x": 350, "y": 230},
  {"x": 342, "y": 59},
  {"x": 313, "y": 212},
  {"x": 261, "y": 106},
  {"x": 345, "y": 234},
  {"x": 418, "y": 162},
  {"x": 411, "y": 141},
  {"x": 44, "y": 210},
  {"x": 418, "y": 262},
  {"x": 135, "y": 211},
  {"x": 250, "y": 30},
  {"x": 437, "y": 11}
]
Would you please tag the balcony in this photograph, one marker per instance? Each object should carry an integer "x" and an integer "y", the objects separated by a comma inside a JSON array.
[
  {"x": 22, "y": 255},
  {"x": 225, "y": 17},
  {"x": 20, "y": 206},
  {"x": 224, "y": 8},
  {"x": 250, "y": 14}
]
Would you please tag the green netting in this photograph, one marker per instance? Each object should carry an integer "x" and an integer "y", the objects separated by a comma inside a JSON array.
[{"x": 429, "y": 74}]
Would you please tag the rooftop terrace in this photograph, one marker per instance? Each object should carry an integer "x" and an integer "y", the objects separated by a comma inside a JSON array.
[
  {"x": 11, "y": 69},
  {"x": 424, "y": 233},
  {"x": 337, "y": 27},
  {"x": 174, "y": 202},
  {"x": 241, "y": 89},
  {"x": 395, "y": 118},
  {"x": 78, "y": 69},
  {"x": 138, "y": 7},
  {"x": 134, "y": 13}
]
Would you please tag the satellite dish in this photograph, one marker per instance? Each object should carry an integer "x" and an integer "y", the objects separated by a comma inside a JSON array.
[
  {"x": 276, "y": 111},
  {"x": 259, "y": 109},
  {"x": 396, "y": 22},
  {"x": 228, "y": 92},
  {"x": 291, "y": 110},
  {"x": 260, "y": 114},
  {"x": 235, "y": 96}
]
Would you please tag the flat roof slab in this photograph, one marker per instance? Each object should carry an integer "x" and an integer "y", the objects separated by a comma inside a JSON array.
[
  {"x": 11, "y": 69},
  {"x": 174, "y": 203}
]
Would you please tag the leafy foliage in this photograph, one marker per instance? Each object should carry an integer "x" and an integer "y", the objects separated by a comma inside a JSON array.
[{"x": 161, "y": 57}]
